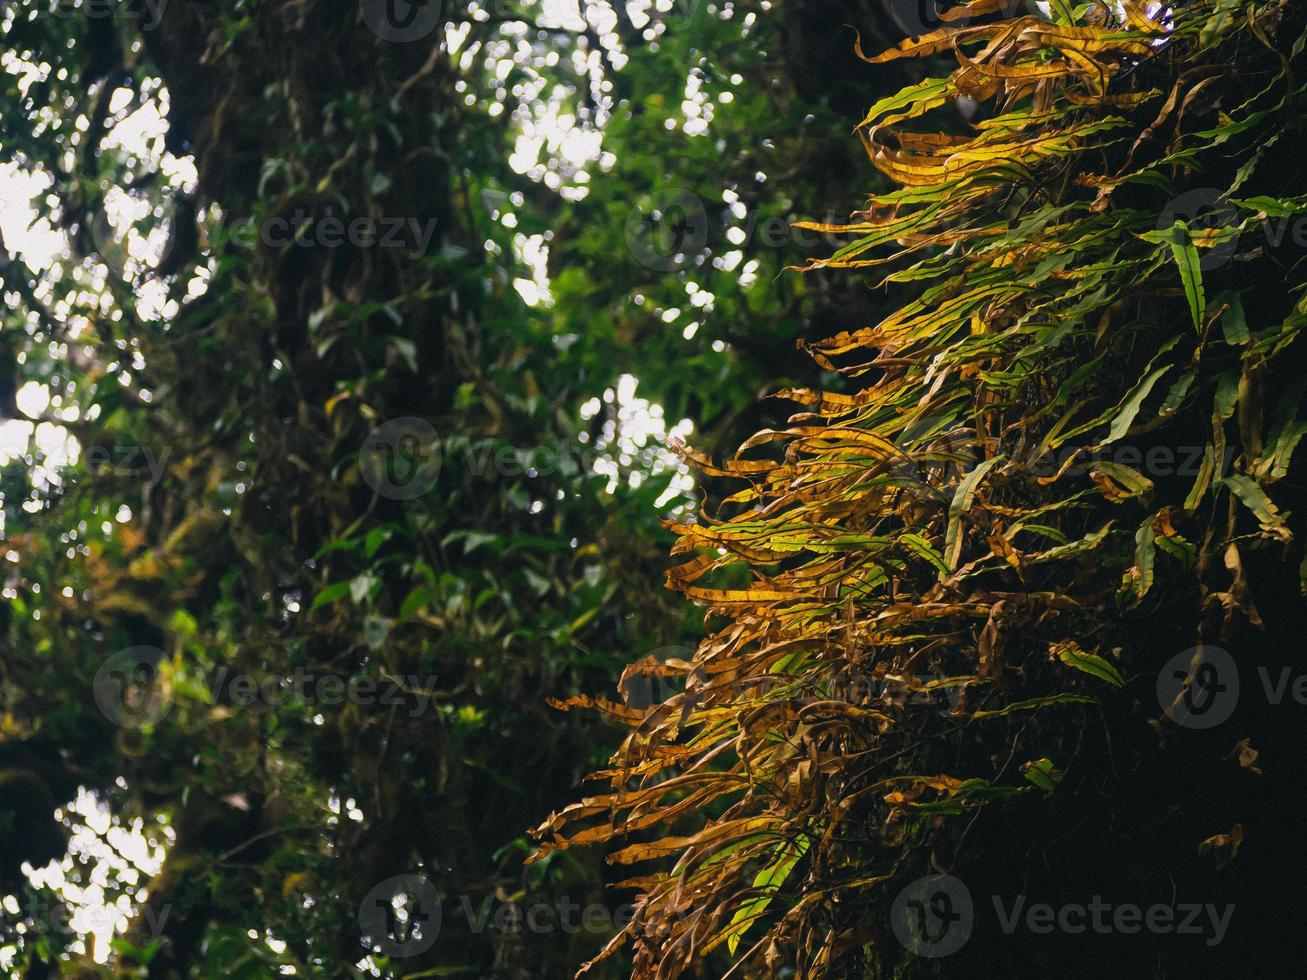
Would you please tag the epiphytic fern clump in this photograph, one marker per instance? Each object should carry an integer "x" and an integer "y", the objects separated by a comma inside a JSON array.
[{"x": 967, "y": 609}]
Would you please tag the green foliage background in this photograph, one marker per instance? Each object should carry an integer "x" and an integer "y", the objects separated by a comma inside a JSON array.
[{"x": 260, "y": 549}]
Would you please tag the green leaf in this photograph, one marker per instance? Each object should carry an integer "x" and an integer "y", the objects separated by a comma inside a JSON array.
[
  {"x": 1086, "y": 544},
  {"x": 962, "y": 500},
  {"x": 1255, "y": 499},
  {"x": 1176, "y": 394},
  {"x": 584, "y": 619},
  {"x": 1034, "y": 704},
  {"x": 375, "y": 539},
  {"x": 1145, "y": 558},
  {"x": 332, "y": 593},
  {"x": 1234, "y": 323},
  {"x": 918, "y": 544},
  {"x": 1089, "y": 663},
  {"x": 375, "y": 631},
  {"x": 768, "y": 881},
  {"x": 1129, "y": 408},
  {"x": 1270, "y": 206},
  {"x": 1206, "y": 470},
  {"x": 407, "y": 350},
  {"x": 363, "y": 586},
  {"x": 415, "y": 600},
  {"x": 1286, "y": 433},
  {"x": 1191, "y": 272},
  {"x": 473, "y": 540},
  {"x": 184, "y": 624},
  {"x": 1042, "y": 773},
  {"x": 914, "y": 98},
  {"x": 1130, "y": 478}
]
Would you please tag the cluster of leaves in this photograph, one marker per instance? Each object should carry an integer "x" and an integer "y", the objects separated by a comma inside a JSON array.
[{"x": 942, "y": 600}]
